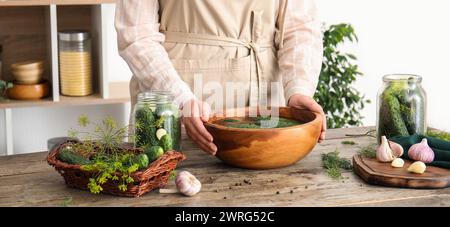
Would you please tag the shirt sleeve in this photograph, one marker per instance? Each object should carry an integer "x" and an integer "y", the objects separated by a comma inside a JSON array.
[
  {"x": 139, "y": 42},
  {"x": 300, "y": 56}
]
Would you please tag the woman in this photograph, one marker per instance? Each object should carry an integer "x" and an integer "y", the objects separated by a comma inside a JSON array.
[{"x": 171, "y": 45}]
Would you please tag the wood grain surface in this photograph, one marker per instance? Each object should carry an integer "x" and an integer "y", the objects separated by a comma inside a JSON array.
[{"x": 27, "y": 180}]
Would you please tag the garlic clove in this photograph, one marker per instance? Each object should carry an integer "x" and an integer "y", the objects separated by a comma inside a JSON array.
[
  {"x": 384, "y": 151},
  {"x": 160, "y": 133},
  {"x": 397, "y": 149},
  {"x": 398, "y": 163},
  {"x": 188, "y": 184},
  {"x": 421, "y": 152},
  {"x": 417, "y": 167}
]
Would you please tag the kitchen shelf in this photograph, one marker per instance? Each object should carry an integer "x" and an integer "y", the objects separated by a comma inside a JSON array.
[
  {"x": 119, "y": 89},
  {"x": 25, "y": 35},
  {"x": 29, "y": 31}
]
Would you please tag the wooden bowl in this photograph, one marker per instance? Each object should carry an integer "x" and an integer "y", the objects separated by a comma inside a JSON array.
[
  {"x": 28, "y": 65},
  {"x": 267, "y": 148},
  {"x": 29, "y": 76},
  {"x": 29, "y": 91}
]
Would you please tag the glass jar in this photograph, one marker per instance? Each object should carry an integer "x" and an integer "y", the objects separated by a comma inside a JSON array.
[
  {"x": 157, "y": 121},
  {"x": 401, "y": 106},
  {"x": 75, "y": 63}
]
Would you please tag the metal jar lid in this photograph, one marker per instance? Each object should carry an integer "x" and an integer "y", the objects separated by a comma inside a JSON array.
[{"x": 74, "y": 35}]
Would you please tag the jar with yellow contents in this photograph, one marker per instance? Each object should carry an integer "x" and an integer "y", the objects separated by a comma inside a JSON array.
[{"x": 75, "y": 63}]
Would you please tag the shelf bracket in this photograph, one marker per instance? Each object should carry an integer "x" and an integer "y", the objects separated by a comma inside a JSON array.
[
  {"x": 9, "y": 132},
  {"x": 53, "y": 23}
]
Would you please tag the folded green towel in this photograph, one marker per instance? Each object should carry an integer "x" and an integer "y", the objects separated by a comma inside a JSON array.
[{"x": 441, "y": 148}]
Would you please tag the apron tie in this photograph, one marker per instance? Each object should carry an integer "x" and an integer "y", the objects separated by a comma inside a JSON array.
[{"x": 257, "y": 93}]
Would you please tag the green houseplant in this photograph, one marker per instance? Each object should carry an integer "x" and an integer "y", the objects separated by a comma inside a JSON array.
[
  {"x": 3, "y": 87},
  {"x": 341, "y": 102}
]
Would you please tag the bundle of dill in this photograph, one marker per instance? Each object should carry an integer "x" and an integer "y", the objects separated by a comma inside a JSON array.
[
  {"x": 368, "y": 151},
  {"x": 335, "y": 164}
]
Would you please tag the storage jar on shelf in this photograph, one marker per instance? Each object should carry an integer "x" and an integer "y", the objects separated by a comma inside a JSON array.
[{"x": 75, "y": 63}]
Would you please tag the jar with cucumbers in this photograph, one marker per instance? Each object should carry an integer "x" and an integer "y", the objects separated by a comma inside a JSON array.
[
  {"x": 401, "y": 106},
  {"x": 157, "y": 123}
]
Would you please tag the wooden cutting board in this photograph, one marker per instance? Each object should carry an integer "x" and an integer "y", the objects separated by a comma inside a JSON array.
[{"x": 374, "y": 172}]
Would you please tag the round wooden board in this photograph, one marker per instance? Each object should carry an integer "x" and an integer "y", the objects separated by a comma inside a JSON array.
[{"x": 377, "y": 173}]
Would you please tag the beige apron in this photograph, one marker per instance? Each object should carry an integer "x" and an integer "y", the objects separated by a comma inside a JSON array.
[{"x": 223, "y": 41}]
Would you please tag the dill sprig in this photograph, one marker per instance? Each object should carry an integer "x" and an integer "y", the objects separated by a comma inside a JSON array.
[
  {"x": 335, "y": 164},
  {"x": 173, "y": 174},
  {"x": 348, "y": 142},
  {"x": 368, "y": 151},
  {"x": 109, "y": 160},
  {"x": 439, "y": 135},
  {"x": 67, "y": 202}
]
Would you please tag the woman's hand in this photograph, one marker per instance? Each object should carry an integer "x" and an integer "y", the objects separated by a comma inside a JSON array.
[
  {"x": 194, "y": 114},
  {"x": 305, "y": 102}
]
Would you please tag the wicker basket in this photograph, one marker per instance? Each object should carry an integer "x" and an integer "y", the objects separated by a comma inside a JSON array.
[{"x": 155, "y": 176}]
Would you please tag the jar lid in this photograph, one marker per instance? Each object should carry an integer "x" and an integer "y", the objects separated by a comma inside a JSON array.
[
  {"x": 155, "y": 96},
  {"x": 74, "y": 35},
  {"x": 402, "y": 77}
]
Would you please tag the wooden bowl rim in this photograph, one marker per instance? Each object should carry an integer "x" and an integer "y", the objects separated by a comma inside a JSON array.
[
  {"x": 42, "y": 82},
  {"x": 221, "y": 127},
  {"x": 27, "y": 65}
]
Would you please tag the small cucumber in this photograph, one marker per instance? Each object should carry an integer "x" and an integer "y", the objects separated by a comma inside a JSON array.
[
  {"x": 71, "y": 157},
  {"x": 166, "y": 143},
  {"x": 142, "y": 160},
  {"x": 154, "y": 153}
]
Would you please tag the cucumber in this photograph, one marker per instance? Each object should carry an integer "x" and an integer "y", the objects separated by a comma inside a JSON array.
[
  {"x": 70, "y": 157},
  {"x": 154, "y": 152},
  {"x": 142, "y": 160},
  {"x": 391, "y": 116},
  {"x": 145, "y": 127},
  {"x": 172, "y": 123},
  {"x": 166, "y": 143}
]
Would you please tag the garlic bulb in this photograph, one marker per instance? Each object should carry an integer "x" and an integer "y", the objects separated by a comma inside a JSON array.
[
  {"x": 421, "y": 152},
  {"x": 417, "y": 167},
  {"x": 398, "y": 163},
  {"x": 187, "y": 184},
  {"x": 387, "y": 151}
]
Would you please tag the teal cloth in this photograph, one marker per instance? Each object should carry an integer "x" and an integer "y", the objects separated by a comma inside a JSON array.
[{"x": 441, "y": 148}]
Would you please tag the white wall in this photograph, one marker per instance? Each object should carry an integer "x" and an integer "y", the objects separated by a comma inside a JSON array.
[
  {"x": 404, "y": 36},
  {"x": 2, "y": 134},
  {"x": 401, "y": 36},
  {"x": 118, "y": 67}
]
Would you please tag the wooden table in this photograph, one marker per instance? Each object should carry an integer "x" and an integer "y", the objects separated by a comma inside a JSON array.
[{"x": 27, "y": 180}]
